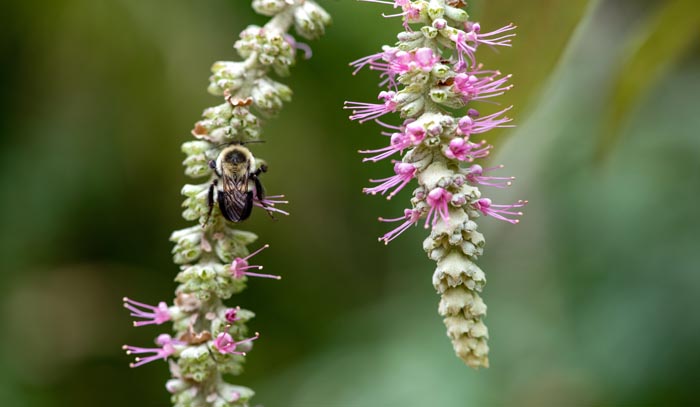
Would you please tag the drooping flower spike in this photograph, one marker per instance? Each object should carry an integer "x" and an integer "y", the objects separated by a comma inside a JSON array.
[
  {"x": 211, "y": 339},
  {"x": 433, "y": 79}
]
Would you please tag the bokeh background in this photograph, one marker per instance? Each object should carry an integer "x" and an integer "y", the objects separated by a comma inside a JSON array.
[{"x": 593, "y": 298}]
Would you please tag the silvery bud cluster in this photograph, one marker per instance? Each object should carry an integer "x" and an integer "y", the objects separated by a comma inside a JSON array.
[
  {"x": 227, "y": 77},
  {"x": 268, "y": 95},
  {"x": 269, "y": 48},
  {"x": 271, "y": 7},
  {"x": 207, "y": 280},
  {"x": 195, "y": 203},
  {"x": 310, "y": 20},
  {"x": 226, "y": 123}
]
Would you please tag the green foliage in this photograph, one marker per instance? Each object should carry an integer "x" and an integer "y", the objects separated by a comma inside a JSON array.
[{"x": 657, "y": 46}]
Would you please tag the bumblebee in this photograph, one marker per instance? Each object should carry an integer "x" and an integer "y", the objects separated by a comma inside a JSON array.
[{"x": 237, "y": 185}]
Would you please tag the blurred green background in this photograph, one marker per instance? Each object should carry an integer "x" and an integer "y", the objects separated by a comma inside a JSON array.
[{"x": 593, "y": 298}]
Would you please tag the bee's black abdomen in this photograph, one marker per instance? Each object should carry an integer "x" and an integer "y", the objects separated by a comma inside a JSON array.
[{"x": 237, "y": 213}]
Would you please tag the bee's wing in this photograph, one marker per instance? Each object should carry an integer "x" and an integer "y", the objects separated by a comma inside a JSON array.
[{"x": 236, "y": 201}]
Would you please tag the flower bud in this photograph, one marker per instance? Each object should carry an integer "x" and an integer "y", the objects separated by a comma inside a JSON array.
[
  {"x": 310, "y": 20},
  {"x": 270, "y": 7}
]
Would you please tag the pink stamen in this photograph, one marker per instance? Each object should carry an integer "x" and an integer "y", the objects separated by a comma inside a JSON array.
[
  {"x": 472, "y": 87},
  {"x": 438, "y": 199},
  {"x": 475, "y": 176},
  {"x": 166, "y": 349},
  {"x": 240, "y": 265},
  {"x": 269, "y": 203},
  {"x": 398, "y": 143},
  {"x": 225, "y": 344},
  {"x": 363, "y": 112},
  {"x": 405, "y": 172},
  {"x": 473, "y": 124},
  {"x": 151, "y": 314},
  {"x": 410, "y": 217},
  {"x": 485, "y": 206},
  {"x": 467, "y": 42}
]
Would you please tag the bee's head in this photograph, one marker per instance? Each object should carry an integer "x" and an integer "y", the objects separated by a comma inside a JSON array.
[{"x": 235, "y": 157}]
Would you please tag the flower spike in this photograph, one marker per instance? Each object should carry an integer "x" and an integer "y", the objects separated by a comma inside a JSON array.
[
  {"x": 431, "y": 77},
  {"x": 210, "y": 339}
]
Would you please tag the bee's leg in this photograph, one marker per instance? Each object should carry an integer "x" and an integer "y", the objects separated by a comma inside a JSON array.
[
  {"x": 261, "y": 169},
  {"x": 260, "y": 194},
  {"x": 210, "y": 200},
  {"x": 212, "y": 165},
  {"x": 259, "y": 190}
]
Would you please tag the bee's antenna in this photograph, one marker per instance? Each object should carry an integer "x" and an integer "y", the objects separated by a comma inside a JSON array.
[{"x": 238, "y": 143}]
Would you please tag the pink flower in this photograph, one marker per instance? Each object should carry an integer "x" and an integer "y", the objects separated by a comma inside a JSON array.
[
  {"x": 393, "y": 62},
  {"x": 404, "y": 138},
  {"x": 232, "y": 315},
  {"x": 438, "y": 199},
  {"x": 166, "y": 349},
  {"x": 472, "y": 87},
  {"x": 225, "y": 344},
  {"x": 473, "y": 124},
  {"x": 240, "y": 265},
  {"x": 415, "y": 132},
  {"x": 458, "y": 149},
  {"x": 463, "y": 150},
  {"x": 410, "y": 217},
  {"x": 399, "y": 142},
  {"x": 425, "y": 59},
  {"x": 405, "y": 172},
  {"x": 467, "y": 42},
  {"x": 373, "y": 60},
  {"x": 485, "y": 206},
  {"x": 150, "y": 314},
  {"x": 403, "y": 62},
  {"x": 475, "y": 176},
  {"x": 363, "y": 112}
]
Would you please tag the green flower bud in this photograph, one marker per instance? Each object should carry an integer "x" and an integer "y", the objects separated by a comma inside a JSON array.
[
  {"x": 456, "y": 14},
  {"x": 436, "y": 9},
  {"x": 429, "y": 32}
]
